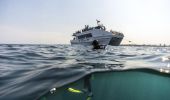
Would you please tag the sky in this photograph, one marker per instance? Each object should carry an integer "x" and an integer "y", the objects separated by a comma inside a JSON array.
[{"x": 54, "y": 21}]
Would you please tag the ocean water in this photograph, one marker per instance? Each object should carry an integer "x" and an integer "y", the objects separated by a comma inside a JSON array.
[{"x": 29, "y": 71}]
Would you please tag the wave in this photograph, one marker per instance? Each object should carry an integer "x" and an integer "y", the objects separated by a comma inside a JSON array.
[{"x": 30, "y": 71}]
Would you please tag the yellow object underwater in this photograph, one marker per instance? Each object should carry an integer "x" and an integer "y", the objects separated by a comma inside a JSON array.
[
  {"x": 88, "y": 98},
  {"x": 74, "y": 90}
]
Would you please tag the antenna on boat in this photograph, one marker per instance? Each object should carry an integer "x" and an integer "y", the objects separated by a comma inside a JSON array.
[{"x": 98, "y": 22}]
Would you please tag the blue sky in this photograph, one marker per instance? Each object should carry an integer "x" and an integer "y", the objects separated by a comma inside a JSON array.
[{"x": 54, "y": 21}]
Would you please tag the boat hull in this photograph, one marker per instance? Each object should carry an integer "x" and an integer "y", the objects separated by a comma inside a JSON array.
[{"x": 113, "y": 41}]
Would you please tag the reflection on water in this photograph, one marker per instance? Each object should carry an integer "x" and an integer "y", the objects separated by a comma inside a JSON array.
[{"x": 39, "y": 68}]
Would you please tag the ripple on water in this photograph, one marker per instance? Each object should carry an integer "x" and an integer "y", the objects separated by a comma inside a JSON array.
[{"x": 27, "y": 71}]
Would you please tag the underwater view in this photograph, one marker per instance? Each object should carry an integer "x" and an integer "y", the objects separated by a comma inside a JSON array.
[{"x": 65, "y": 72}]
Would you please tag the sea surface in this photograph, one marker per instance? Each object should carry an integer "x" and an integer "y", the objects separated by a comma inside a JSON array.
[{"x": 29, "y": 71}]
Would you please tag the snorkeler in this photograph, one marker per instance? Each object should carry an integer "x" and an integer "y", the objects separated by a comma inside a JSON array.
[
  {"x": 96, "y": 45},
  {"x": 87, "y": 88}
]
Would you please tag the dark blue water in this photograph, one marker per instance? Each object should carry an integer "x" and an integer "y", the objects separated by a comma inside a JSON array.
[{"x": 28, "y": 71}]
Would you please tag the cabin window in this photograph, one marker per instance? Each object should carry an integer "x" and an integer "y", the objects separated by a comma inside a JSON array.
[{"x": 85, "y": 36}]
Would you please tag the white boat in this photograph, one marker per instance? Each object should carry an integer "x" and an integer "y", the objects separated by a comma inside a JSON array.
[{"x": 87, "y": 35}]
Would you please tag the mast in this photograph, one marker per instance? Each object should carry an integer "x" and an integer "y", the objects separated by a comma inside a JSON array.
[{"x": 98, "y": 22}]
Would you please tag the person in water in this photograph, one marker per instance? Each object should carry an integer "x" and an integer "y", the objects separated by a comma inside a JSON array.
[
  {"x": 87, "y": 85},
  {"x": 87, "y": 88},
  {"x": 96, "y": 45}
]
